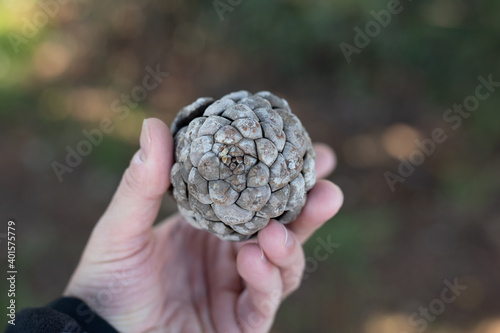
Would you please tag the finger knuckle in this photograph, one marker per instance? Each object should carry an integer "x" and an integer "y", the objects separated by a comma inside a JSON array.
[{"x": 132, "y": 181}]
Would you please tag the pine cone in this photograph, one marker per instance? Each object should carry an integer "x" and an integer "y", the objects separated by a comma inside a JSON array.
[{"x": 240, "y": 161}]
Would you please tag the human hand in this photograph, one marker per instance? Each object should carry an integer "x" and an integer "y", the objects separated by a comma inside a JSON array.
[{"x": 174, "y": 278}]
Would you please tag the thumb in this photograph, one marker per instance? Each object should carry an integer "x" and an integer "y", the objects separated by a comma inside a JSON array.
[{"x": 136, "y": 203}]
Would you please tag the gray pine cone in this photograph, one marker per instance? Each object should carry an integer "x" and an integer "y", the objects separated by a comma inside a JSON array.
[{"x": 240, "y": 161}]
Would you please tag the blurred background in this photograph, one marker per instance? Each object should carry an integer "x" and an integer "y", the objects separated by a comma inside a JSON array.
[{"x": 67, "y": 65}]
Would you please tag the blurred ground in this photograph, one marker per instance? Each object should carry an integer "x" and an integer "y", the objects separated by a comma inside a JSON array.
[{"x": 63, "y": 66}]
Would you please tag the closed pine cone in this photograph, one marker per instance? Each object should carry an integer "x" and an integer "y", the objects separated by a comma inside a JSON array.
[{"x": 240, "y": 161}]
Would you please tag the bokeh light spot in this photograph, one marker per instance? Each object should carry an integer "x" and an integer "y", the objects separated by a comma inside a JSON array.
[
  {"x": 488, "y": 326},
  {"x": 90, "y": 104},
  {"x": 399, "y": 140},
  {"x": 51, "y": 59},
  {"x": 388, "y": 323}
]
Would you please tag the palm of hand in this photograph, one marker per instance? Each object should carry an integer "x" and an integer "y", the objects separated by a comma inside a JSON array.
[{"x": 180, "y": 280}]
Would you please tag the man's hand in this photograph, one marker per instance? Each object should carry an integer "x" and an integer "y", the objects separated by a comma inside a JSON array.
[{"x": 174, "y": 278}]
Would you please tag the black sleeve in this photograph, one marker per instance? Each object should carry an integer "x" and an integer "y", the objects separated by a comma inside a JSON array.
[{"x": 65, "y": 315}]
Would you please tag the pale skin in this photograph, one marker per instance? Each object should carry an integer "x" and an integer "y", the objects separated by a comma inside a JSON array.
[{"x": 173, "y": 278}]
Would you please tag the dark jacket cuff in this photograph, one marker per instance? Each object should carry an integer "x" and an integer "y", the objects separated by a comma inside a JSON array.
[{"x": 82, "y": 314}]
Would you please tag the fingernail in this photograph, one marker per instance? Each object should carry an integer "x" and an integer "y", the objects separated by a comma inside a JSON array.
[
  {"x": 145, "y": 141},
  {"x": 262, "y": 255},
  {"x": 288, "y": 241}
]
